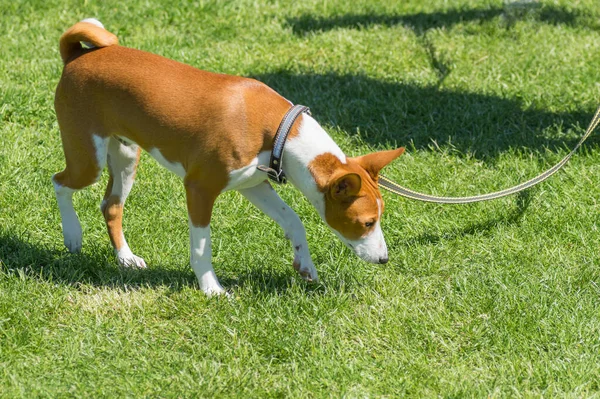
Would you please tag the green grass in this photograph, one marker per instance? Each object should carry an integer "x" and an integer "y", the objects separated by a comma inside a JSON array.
[{"x": 495, "y": 299}]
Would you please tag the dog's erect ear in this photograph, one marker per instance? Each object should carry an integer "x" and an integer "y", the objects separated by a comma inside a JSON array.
[
  {"x": 345, "y": 186},
  {"x": 376, "y": 161}
]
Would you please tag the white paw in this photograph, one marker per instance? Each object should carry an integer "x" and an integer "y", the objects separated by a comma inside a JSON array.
[
  {"x": 72, "y": 238},
  {"x": 306, "y": 269},
  {"x": 128, "y": 259},
  {"x": 207, "y": 279},
  {"x": 215, "y": 290}
]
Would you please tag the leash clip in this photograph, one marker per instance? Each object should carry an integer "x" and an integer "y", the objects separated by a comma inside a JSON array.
[{"x": 274, "y": 176}]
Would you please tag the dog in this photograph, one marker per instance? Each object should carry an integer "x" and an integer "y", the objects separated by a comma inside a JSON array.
[{"x": 212, "y": 130}]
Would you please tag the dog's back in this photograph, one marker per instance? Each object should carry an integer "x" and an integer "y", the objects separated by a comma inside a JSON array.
[{"x": 149, "y": 100}]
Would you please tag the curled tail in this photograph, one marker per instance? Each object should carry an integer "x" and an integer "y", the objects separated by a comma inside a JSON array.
[{"x": 89, "y": 31}]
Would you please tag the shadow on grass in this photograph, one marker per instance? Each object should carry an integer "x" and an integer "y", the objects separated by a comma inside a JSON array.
[
  {"x": 399, "y": 113},
  {"x": 422, "y": 22},
  {"x": 271, "y": 282},
  {"x": 510, "y": 217},
  {"x": 20, "y": 256},
  {"x": 380, "y": 112},
  {"x": 99, "y": 269},
  {"x": 17, "y": 254}
]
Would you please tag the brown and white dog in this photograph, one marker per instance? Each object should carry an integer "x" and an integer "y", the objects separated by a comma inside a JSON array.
[{"x": 212, "y": 130}]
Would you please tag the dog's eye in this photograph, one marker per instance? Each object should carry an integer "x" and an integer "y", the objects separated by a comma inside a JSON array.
[{"x": 369, "y": 224}]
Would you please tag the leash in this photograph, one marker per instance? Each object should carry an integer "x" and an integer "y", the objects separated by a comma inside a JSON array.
[
  {"x": 274, "y": 170},
  {"x": 395, "y": 188}
]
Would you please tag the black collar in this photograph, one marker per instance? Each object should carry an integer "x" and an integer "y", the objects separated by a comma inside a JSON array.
[{"x": 274, "y": 170}]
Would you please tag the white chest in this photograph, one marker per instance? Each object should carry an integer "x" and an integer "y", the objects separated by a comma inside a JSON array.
[{"x": 248, "y": 176}]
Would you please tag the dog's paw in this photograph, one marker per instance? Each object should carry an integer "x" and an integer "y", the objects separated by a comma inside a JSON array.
[
  {"x": 73, "y": 244},
  {"x": 306, "y": 269},
  {"x": 215, "y": 290},
  {"x": 72, "y": 236},
  {"x": 128, "y": 259}
]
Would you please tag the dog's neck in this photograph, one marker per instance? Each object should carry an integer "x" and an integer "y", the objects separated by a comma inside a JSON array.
[{"x": 300, "y": 150}]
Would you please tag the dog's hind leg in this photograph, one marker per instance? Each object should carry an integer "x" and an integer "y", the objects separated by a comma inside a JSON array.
[
  {"x": 122, "y": 165},
  {"x": 266, "y": 199},
  {"x": 85, "y": 156}
]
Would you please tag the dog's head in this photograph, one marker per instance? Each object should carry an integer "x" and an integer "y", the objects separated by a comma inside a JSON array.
[{"x": 353, "y": 203}]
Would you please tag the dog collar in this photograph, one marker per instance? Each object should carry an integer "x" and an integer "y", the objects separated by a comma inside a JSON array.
[{"x": 274, "y": 170}]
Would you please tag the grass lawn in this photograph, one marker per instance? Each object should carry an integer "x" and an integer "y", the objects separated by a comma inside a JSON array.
[{"x": 497, "y": 299}]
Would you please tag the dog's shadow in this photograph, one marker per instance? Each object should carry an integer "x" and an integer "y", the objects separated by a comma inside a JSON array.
[
  {"x": 98, "y": 268},
  {"x": 95, "y": 268}
]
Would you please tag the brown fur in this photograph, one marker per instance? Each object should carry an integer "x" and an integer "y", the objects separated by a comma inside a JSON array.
[
  {"x": 351, "y": 190},
  {"x": 112, "y": 209},
  {"x": 84, "y": 32},
  {"x": 209, "y": 123}
]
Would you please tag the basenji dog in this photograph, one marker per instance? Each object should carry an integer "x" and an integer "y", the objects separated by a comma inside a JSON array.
[{"x": 211, "y": 130}]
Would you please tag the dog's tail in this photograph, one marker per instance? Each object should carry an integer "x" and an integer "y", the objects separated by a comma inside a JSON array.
[{"x": 90, "y": 32}]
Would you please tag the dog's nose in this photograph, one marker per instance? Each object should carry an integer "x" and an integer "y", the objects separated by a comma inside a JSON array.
[{"x": 383, "y": 259}]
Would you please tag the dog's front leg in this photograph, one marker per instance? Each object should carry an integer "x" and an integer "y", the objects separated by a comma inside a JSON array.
[
  {"x": 200, "y": 203},
  {"x": 266, "y": 199}
]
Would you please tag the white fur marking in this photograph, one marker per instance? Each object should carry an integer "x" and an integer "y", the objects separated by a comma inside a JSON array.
[
  {"x": 122, "y": 163},
  {"x": 174, "y": 167},
  {"x": 312, "y": 140},
  {"x": 127, "y": 258},
  {"x": 371, "y": 247},
  {"x": 300, "y": 150},
  {"x": 93, "y": 21},
  {"x": 201, "y": 260},
  {"x": 101, "y": 147},
  {"x": 248, "y": 176},
  {"x": 70, "y": 222}
]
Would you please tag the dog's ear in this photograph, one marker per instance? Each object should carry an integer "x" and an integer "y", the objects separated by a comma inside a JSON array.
[
  {"x": 376, "y": 161},
  {"x": 346, "y": 186},
  {"x": 323, "y": 168}
]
